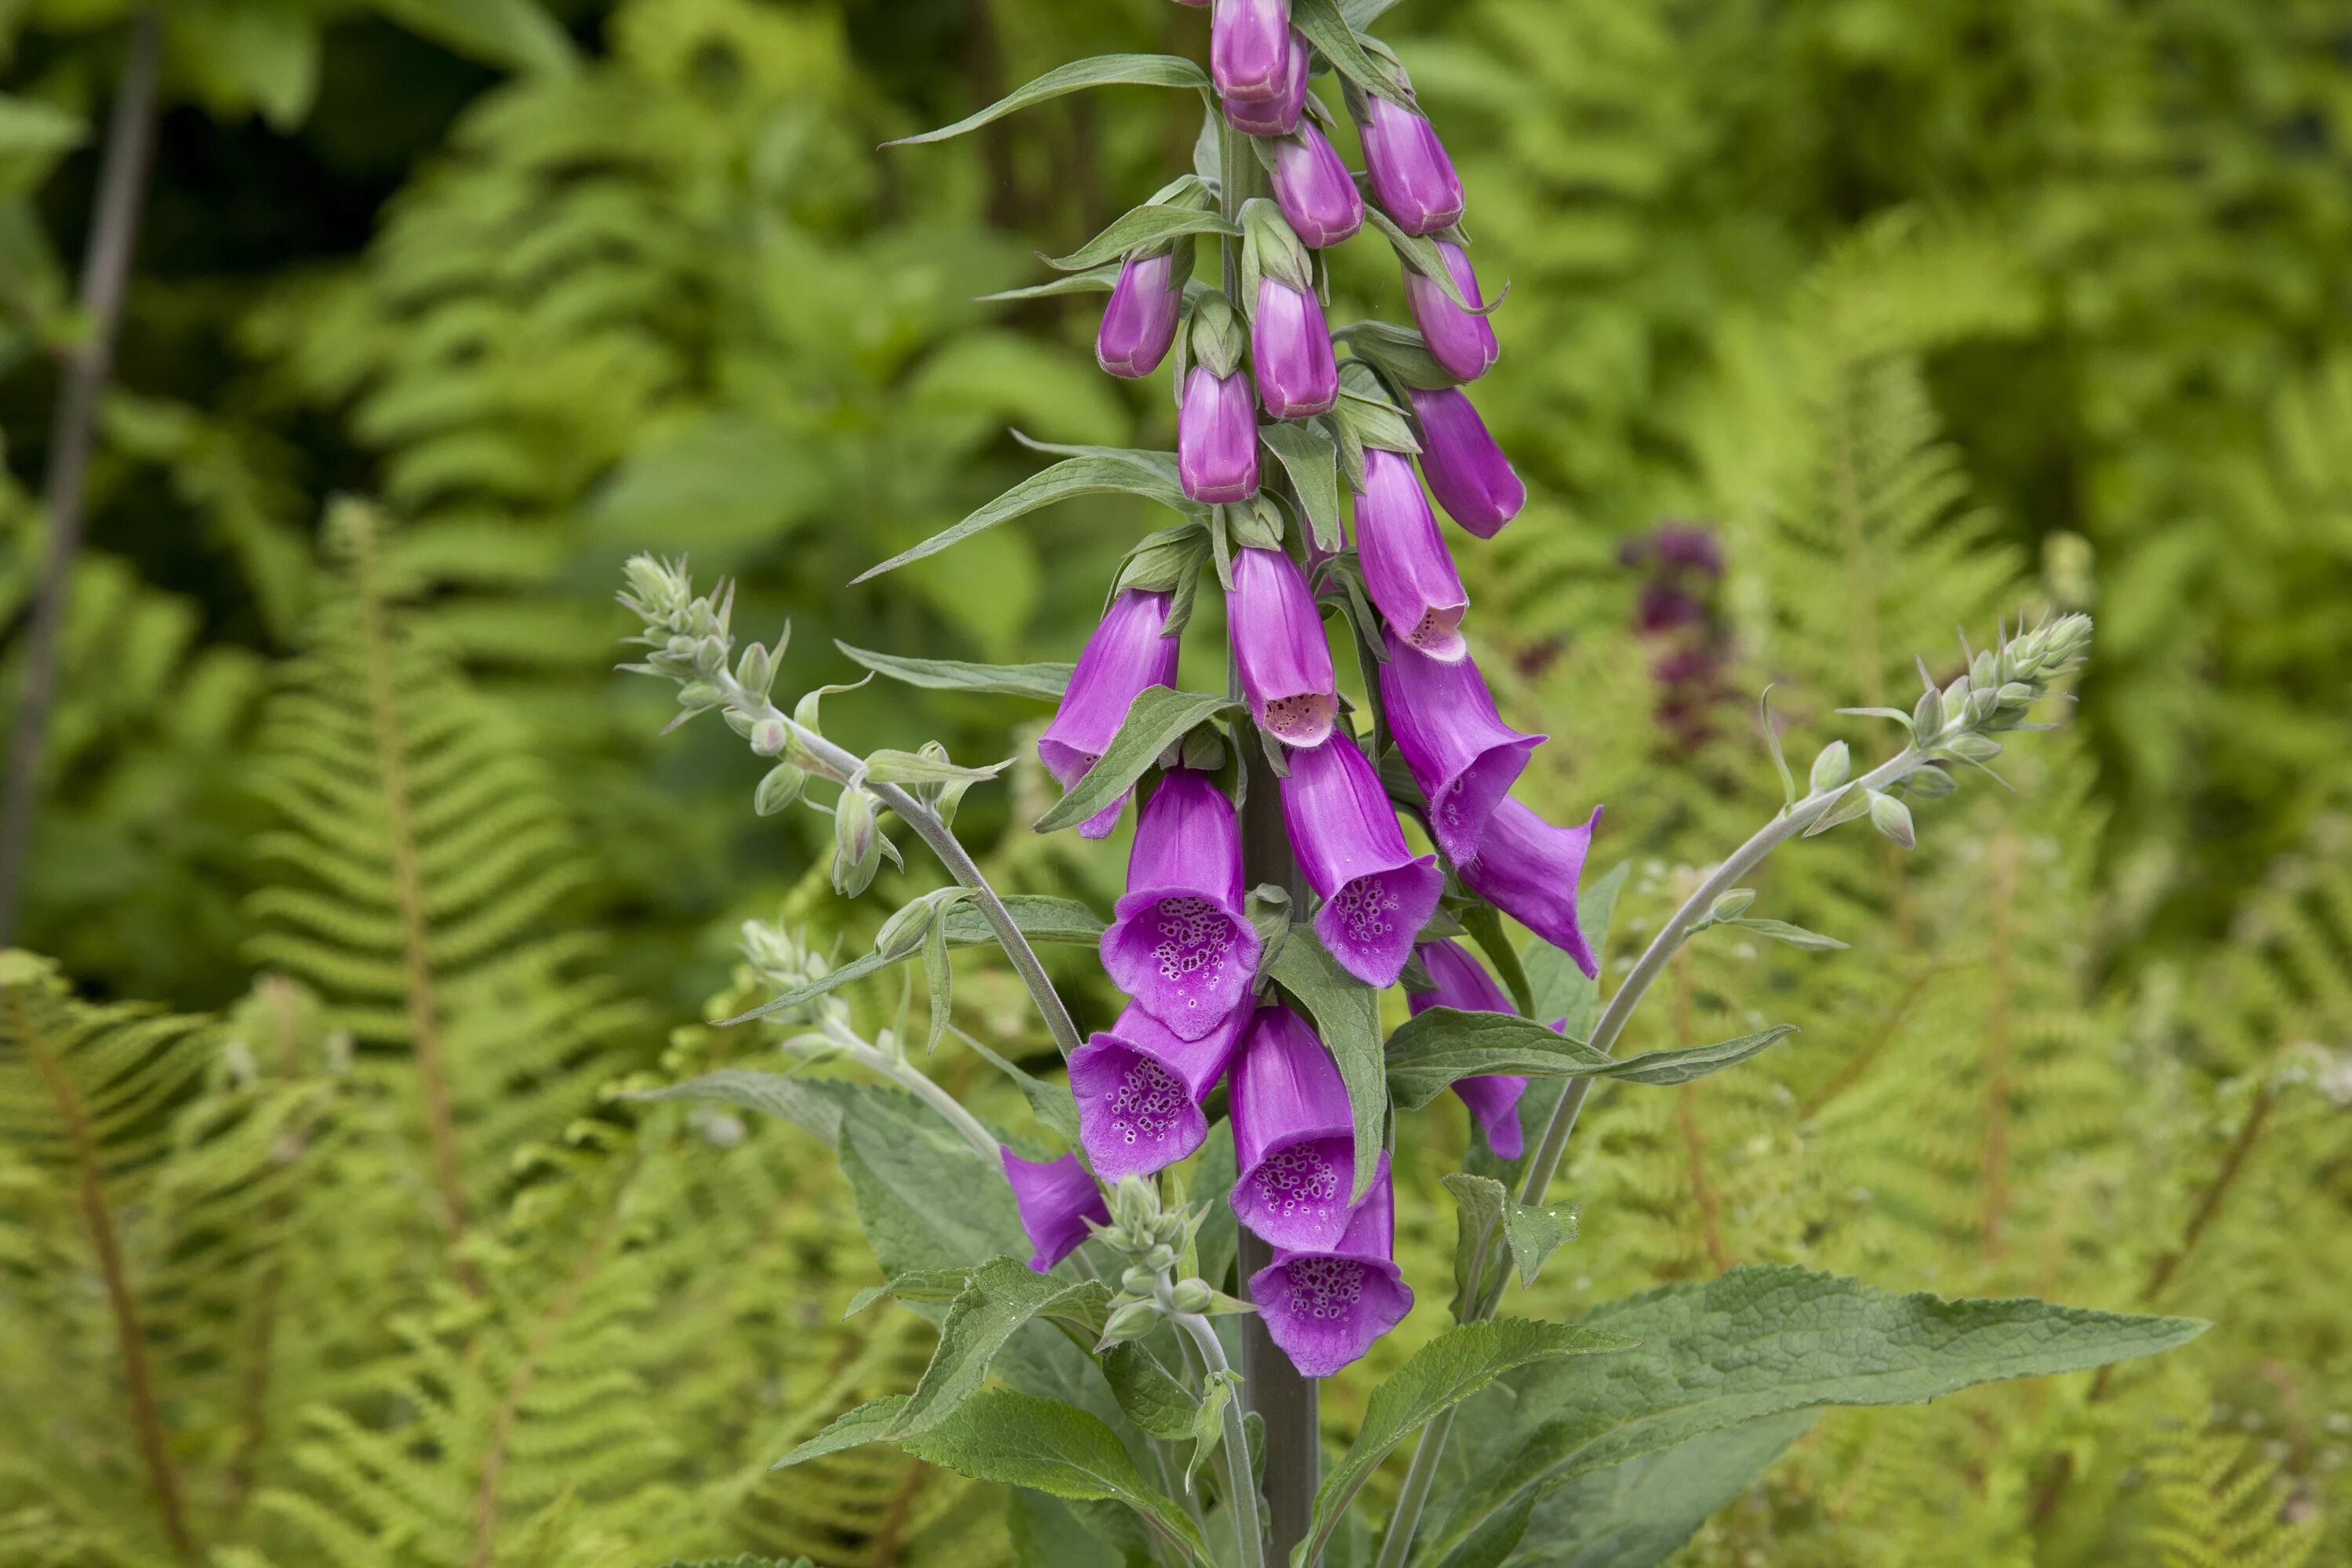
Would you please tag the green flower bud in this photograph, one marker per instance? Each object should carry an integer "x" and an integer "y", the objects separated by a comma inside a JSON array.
[
  {"x": 1829, "y": 769},
  {"x": 857, "y": 843},
  {"x": 768, "y": 737},
  {"x": 1139, "y": 1281},
  {"x": 1131, "y": 1321},
  {"x": 1191, "y": 1296},
  {"x": 779, "y": 789},
  {"x": 1892, "y": 818}
]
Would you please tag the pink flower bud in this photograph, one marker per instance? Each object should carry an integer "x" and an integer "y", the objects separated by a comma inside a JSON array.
[{"x": 1138, "y": 325}]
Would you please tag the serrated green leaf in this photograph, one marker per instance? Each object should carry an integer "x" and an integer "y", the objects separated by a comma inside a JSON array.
[
  {"x": 929, "y": 1285},
  {"x": 1145, "y": 224},
  {"x": 1760, "y": 1341},
  {"x": 1039, "y": 917},
  {"x": 814, "y": 1106},
  {"x": 868, "y": 1423},
  {"x": 1100, "y": 70},
  {"x": 1047, "y": 682},
  {"x": 1147, "y": 1394},
  {"x": 1328, "y": 30},
  {"x": 926, "y": 1198},
  {"x": 1158, "y": 715},
  {"x": 1448, "y": 1370},
  {"x": 1430, "y": 1053},
  {"x": 1001, "y": 1297},
  {"x": 1311, "y": 458},
  {"x": 1347, "y": 1015},
  {"x": 1070, "y": 477},
  {"x": 1535, "y": 1232},
  {"x": 1478, "y": 1205}
]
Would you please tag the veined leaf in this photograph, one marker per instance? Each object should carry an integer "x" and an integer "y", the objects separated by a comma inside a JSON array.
[
  {"x": 1536, "y": 1232},
  {"x": 1444, "y": 1372},
  {"x": 1759, "y": 1341},
  {"x": 1160, "y": 462},
  {"x": 1430, "y": 1053},
  {"x": 1478, "y": 1205},
  {"x": 1047, "y": 682},
  {"x": 1101, "y": 70},
  {"x": 868, "y": 1423},
  {"x": 1148, "y": 1395},
  {"x": 1362, "y": 14},
  {"x": 1148, "y": 225},
  {"x": 1094, "y": 280},
  {"x": 1038, "y": 916},
  {"x": 1346, "y": 1014},
  {"x": 1072, "y": 477},
  {"x": 1794, "y": 935},
  {"x": 1002, "y": 1295},
  {"x": 1311, "y": 458},
  {"x": 929, "y": 1285},
  {"x": 1328, "y": 30},
  {"x": 1158, "y": 716}
]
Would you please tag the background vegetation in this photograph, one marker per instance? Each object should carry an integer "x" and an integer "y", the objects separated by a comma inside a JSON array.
[{"x": 359, "y": 876}]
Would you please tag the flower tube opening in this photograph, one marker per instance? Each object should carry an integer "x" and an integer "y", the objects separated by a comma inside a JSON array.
[
  {"x": 1181, "y": 943},
  {"x": 1377, "y": 894},
  {"x": 1461, "y": 754},
  {"x": 1407, "y": 572},
  {"x": 1279, "y": 648},
  {"x": 1139, "y": 1089}
]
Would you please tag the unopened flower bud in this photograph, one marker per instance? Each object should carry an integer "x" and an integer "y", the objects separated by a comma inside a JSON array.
[
  {"x": 857, "y": 843},
  {"x": 1830, "y": 768},
  {"x": 1973, "y": 748},
  {"x": 1313, "y": 187},
  {"x": 1131, "y": 1321},
  {"x": 1249, "y": 47},
  {"x": 1216, "y": 437},
  {"x": 1140, "y": 323},
  {"x": 768, "y": 737},
  {"x": 1892, "y": 818},
  {"x": 1160, "y": 1259},
  {"x": 1466, "y": 470},
  {"x": 1191, "y": 1296},
  {"x": 1278, "y": 115},
  {"x": 1139, "y": 1280},
  {"x": 1290, "y": 351},
  {"x": 1413, "y": 179},
  {"x": 1463, "y": 341},
  {"x": 779, "y": 789}
]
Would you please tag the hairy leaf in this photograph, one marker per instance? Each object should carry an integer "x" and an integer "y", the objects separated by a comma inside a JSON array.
[
  {"x": 1147, "y": 225},
  {"x": 1002, "y": 1295},
  {"x": 1328, "y": 29},
  {"x": 1160, "y": 715},
  {"x": 1100, "y": 70},
  {"x": 813, "y": 1105},
  {"x": 1430, "y": 1053},
  {"x": 1311, "y": 458},
  {"x": 1072, "y": 477},
  {"x": 1040, "y": 916},
  {"x": 1047, "y": 682}
]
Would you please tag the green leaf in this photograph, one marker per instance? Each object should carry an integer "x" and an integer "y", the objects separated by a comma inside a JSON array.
[
  {"x": 746, "y": 1561},
  {"x": 1002, "y": 1296},
  {"x": 1421, "y": 253},
  {"x": 812, "y": 1105},
  {"x": 890, "y": 766},
  {"x": 1535, "y": 1233},
  {"x": 1563, "y": 991},
  {"x": 1072, "y": 477},
  {"x": 1047, "y": 682},
  {"x": 1448, "y": 1370},
  {"x": 1038, "y": 916},
  {"x": 1145, "y": 224},
  {"x": 1209, "y": 1422},
  {"x": 1050, "y": 1103},
  {"x": 1147, "y": 1393},
  {"x": 1485, "y": 925},
  {"x": 1311, "y": 458},
  {"x": 515, "y": 35},
  {"x": 1430, "y": 1053},
  {"x": 1094, "y": 280},
  {"x": 928, "y": 1285},
  {"x": 1478, "y": 1205},
  {"x": 1795, "y": 936},
  {"x": 1016, "y": 1440},
  {"x": 938, "y": 980},
  {"x": 1328, "y": 29},
  {"x": 1760, "y": 1341},
  {"x": 1347, "y": 1015},
  {"x": 1159, "y": 716},
  {"x": 868, "y": 1423},
  {"x": 1101, "y": 70},
  {"x": 925, "y": 1197},
  {"x": 1772, "y": 742}
]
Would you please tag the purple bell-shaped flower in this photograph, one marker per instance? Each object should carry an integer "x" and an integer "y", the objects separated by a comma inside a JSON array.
[
  {"x": 1276, "y": 115},
  {"x": 1279, "y": 650},
  {"x": 1326, "y": 1308},
  {"x": 1126, "y": 653},
  {"x": 1528, "y": 870},
  {"x": 1376, "y": 892},
  {"x": 1140, "y": 323},
  {"x": 1294, "y": 1140},
  {"x": 1057, "y": 1198},
  {"x": 1463, "y": 982},
  {"x": 1461, "y": 754},
  {"x": 1413, "y": 179},
  {"x": 1139, "y": 1089},
  {"x": 1313, "y": 187},
  {"x": 1407, "y": 570},
  {"x": 1290, "y": 350},
  {"x": 1465, "y": 469},
  {"x": 1249, "y": 47},
  {"x": 1216, "y": 437},
  {"x": 1181, "y": 945},
  {"x": 1462, "y": 340}
]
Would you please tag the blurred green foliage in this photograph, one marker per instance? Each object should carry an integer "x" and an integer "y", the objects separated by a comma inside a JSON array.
[{"x": 1929, "y": 308}]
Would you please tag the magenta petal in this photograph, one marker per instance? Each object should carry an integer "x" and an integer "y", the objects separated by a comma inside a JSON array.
[
  {"x": 1217, "y": 436},
  {"x": 1181, "y": 944},
  {"x": 1326, "y": 1308},
  {"x": 1138, "y": 1090},
  {"x": 1279, "y": 648},
  {"x": 1290, "y": 351},
  {"x": 1463, "y": 341},
  {"x": 1138, "y": 325},
  {"x": 1293, "y": 1134},
  {"x": 1276, "y": 115},
  {"x": 1057, "y": 1198},
  {"x": 1126, "y": 654},
  {"x": 1376, "y": 893},
  {"x": 1407, "y": 572},
  {"x": 1313, "y": 186},
  {"x": 1465, "y": 468},
  {"x": 1495, "y": 1102},
  {"x": 1413, "y": 179},
  {"x": 1527, "y": 868},
  {"x": 1463, "y": 755},
  {"x": 1249, "y": 47}
]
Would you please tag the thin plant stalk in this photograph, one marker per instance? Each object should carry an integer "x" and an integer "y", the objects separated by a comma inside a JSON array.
[{"x": 1232, "y": 1455}]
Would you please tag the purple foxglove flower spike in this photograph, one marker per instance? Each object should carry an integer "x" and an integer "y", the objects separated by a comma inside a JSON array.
[
  {"x": 1461, "y": 754},
  {"x": 1314, "y": 189},
  {"x": 1249, "y": 47},
  {"x": 1276, "y": 115},
  {"x": 1529, "y": 869},
  {"x": 1466, "y": 470},
  {"x": 1182, "y": 945},
  {"x": 1376, "y": 893},
  {"x": 1413, "y": 179},
  {"x": 1463, "y": 341},
  {"x": 1326, "y": 1308},
  {"x": 1056, "y": 1197},
  {"x": 1278, "y": 648},
  {"x": 1462, "y": 982},
  {"x": 1293, "y": 1135},
  {"x": 1140, "y": 323},
  {"x": 1139, "y": 1090},
  {"x": 1290, "y": 348},
  {"x": 1126, "y": 654},
  {"x": 1407, "y": 571},
  {"x": 1216, "y": 437}
]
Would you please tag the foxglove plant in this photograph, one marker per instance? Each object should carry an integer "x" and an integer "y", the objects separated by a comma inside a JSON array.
[{"x": 1232, "y": 1131}]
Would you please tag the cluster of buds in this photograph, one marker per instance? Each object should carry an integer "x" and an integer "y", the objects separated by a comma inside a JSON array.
[{"x": 1152, "y": 1241}]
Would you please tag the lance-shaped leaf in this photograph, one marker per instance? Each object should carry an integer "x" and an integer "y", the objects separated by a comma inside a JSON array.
[
  {"x": 928, "y": 1286},
  {"x": 1362, "y": 14},
  {"x": 1072, "y": 477},
  {"x": 1328, "y": 29},
  {"x": 1100, "y": 70},
  {"x": 813, "y": 1105},
  {"x": 1311, "y": 458},
  {"x": 1093, "y": 281},
  {"x": 1428, "y": 1054},
  {"x": 1002, "y": 1296},
  {"x": 1047, "y": 682},
  {"x": 891, "y": 766},
  {"x": 1157, "y": 460},
  {"x": 1759, "y": 1341},
  {"x": 1421, "y": 253},
  {"x": 1478, "y": 1205},
  {"x": 1794, "y": 935},
  {"x": 1444, "y": 1372},
  {"x": 1050, "y": 1103},
  {"x": 1347, "y": 1015},
  {"x": 1398, "y": 353},
  {"x": 1159, "y": 716},
  {"x": 1148, "y": 225},
  {"x": 867, "y": 1423},
  {"x": 1037, "y": 916},
  {"x": 1536, "y": 1231}
]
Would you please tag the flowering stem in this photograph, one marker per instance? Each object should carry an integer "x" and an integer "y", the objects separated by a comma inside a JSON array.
[
  {"x": 872, "y": 1056},
  {"x": 1241, "y": 1490},
  {"x": 1545, "y": 1163}
]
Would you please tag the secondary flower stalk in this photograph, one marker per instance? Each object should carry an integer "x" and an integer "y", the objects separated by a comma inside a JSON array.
[
  {"x": 1376, "y": 893},
  {"x": 1126, "y": 653}
]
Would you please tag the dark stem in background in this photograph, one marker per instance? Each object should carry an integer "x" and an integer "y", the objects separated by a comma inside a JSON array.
[{"x": 106, "y": 269}]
